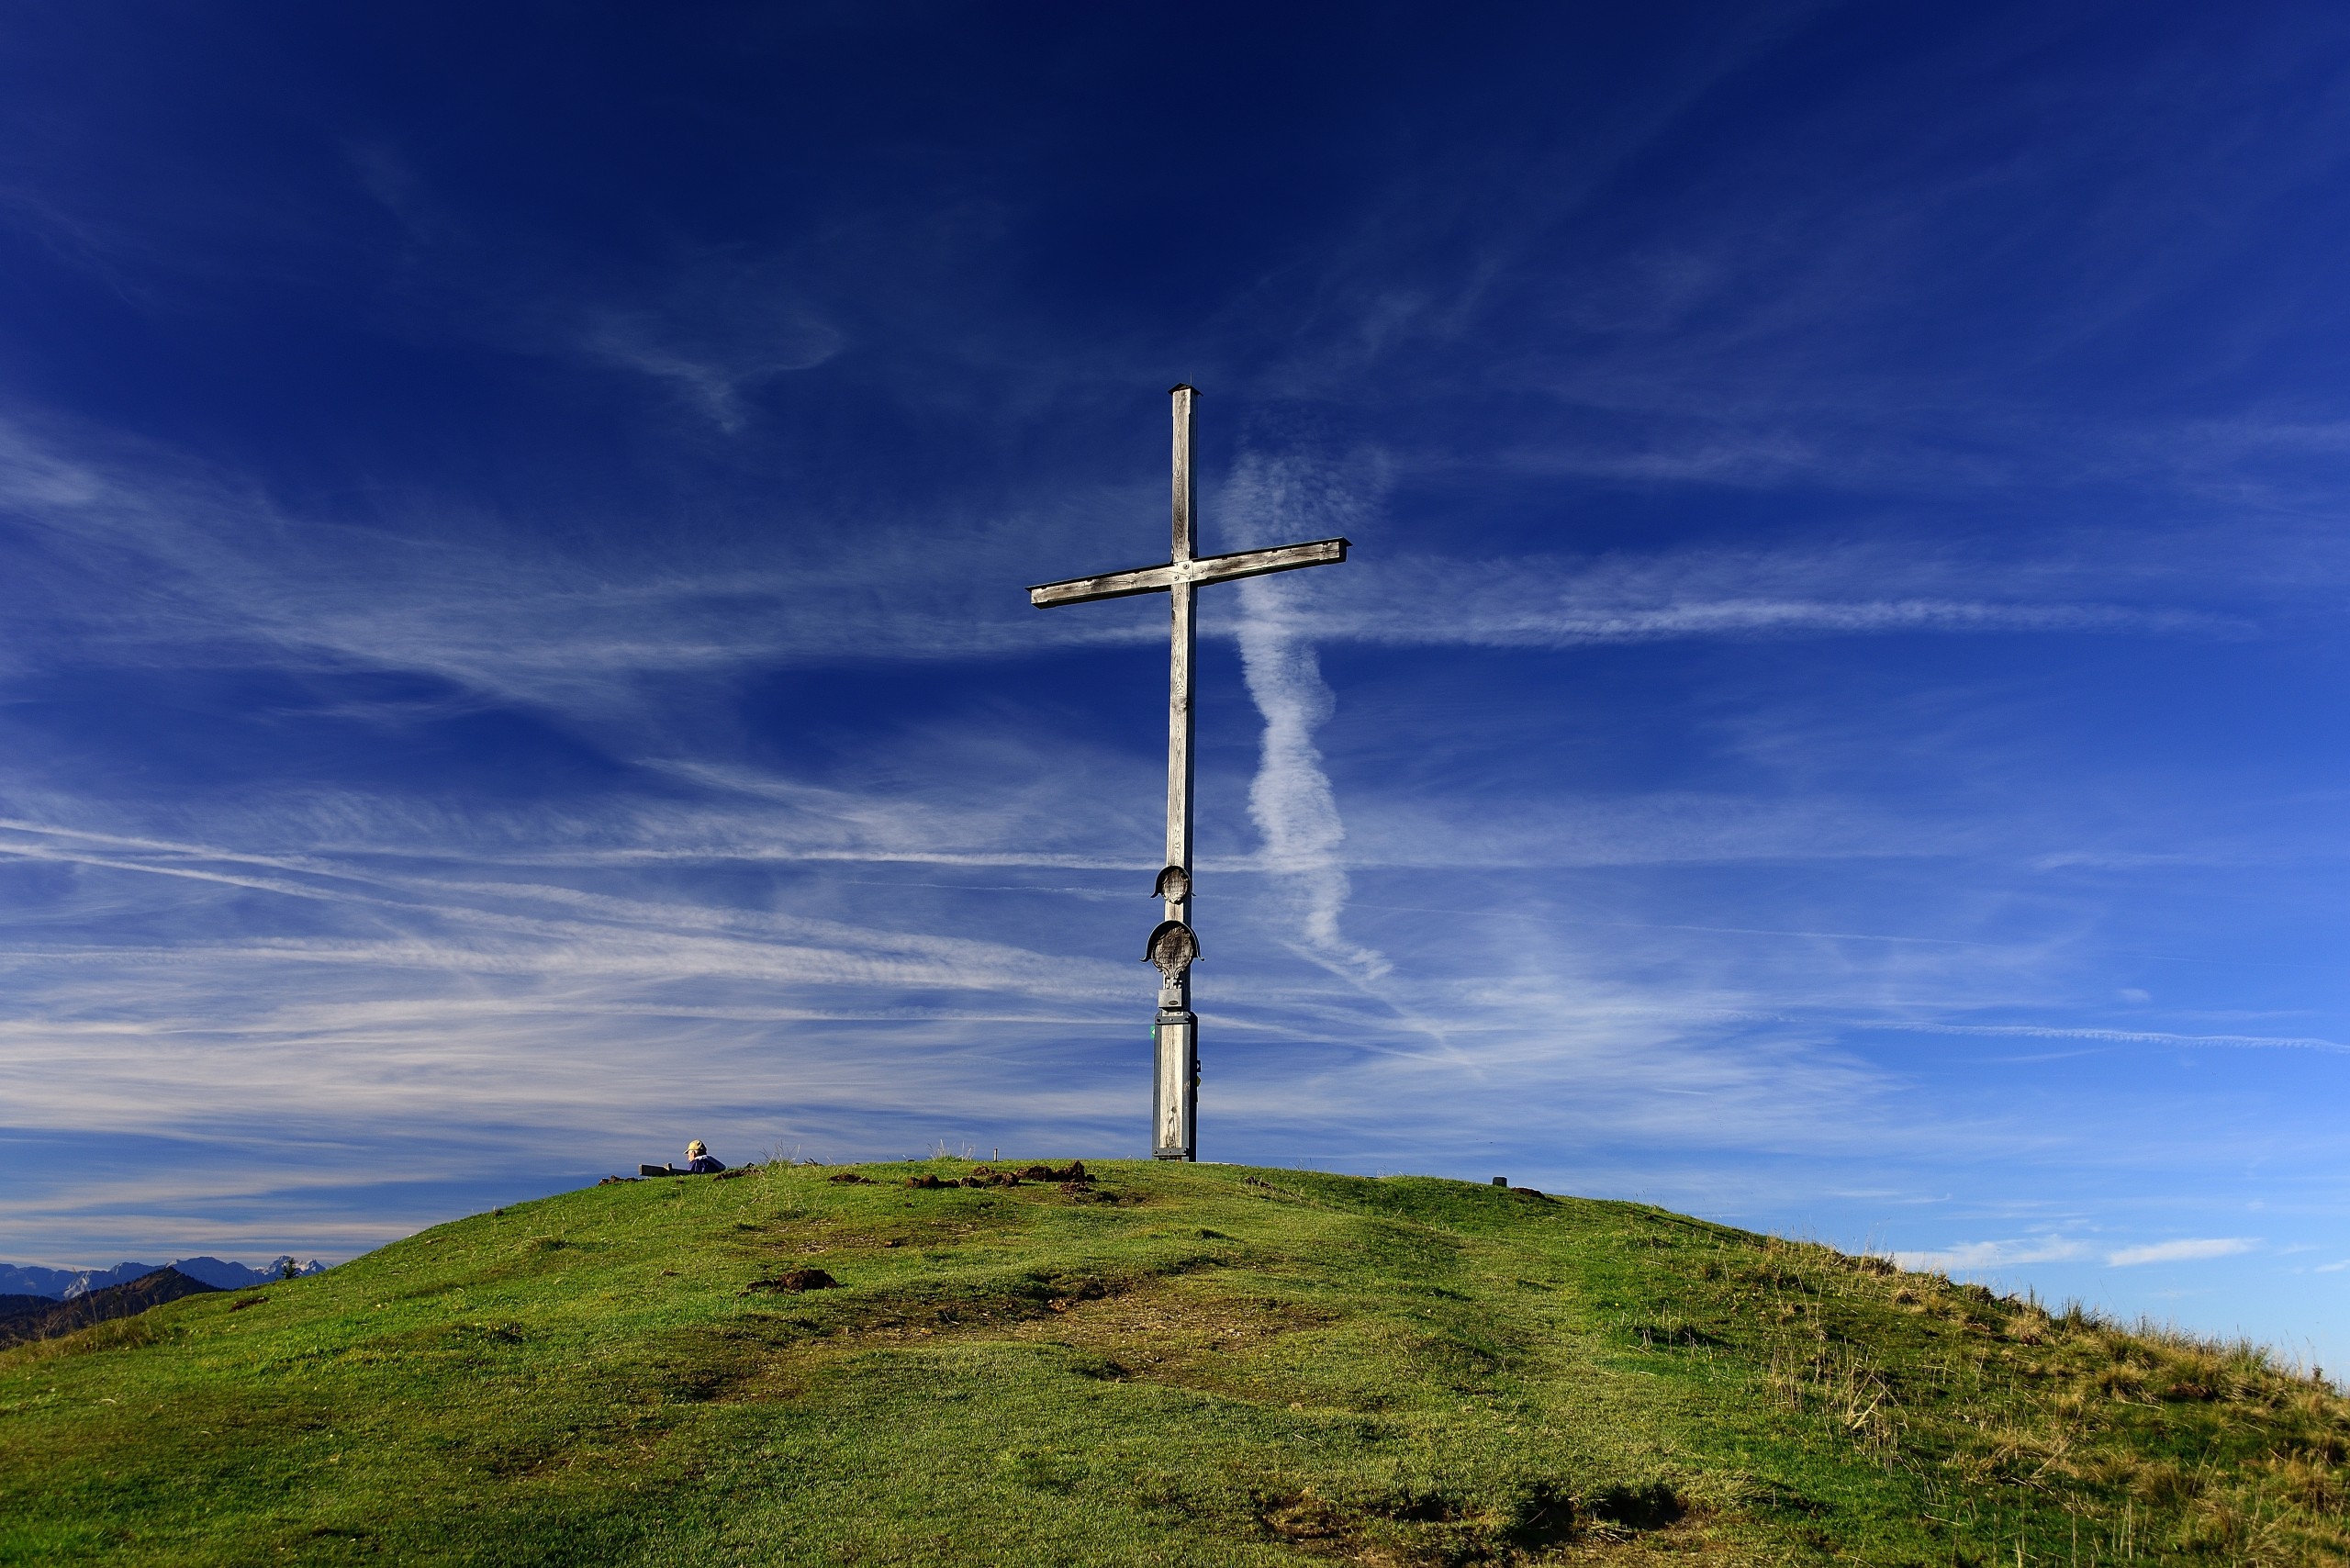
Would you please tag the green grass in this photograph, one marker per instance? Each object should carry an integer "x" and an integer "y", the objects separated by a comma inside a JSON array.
[{"x": 1201, "y": 1364}]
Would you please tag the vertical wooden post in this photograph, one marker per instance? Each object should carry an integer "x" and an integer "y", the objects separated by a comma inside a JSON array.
[{"x": 1175, "y": 1036}]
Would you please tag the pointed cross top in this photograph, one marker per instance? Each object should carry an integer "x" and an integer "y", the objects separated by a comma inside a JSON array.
[{"x": 1184, "y": 566}]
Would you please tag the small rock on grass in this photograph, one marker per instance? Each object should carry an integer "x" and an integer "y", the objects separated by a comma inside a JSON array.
[{"x": 792, "y": 1282}]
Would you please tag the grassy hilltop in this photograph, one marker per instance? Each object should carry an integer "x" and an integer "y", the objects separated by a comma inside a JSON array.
[{"x": 1203, "y": 1365}]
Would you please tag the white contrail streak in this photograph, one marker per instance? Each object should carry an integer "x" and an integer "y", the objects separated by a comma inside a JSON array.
[{"x": 1290, "y": 800}]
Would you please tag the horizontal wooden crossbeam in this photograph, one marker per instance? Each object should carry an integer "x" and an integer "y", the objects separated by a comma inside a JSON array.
[{"x": 1207, "y": 569}]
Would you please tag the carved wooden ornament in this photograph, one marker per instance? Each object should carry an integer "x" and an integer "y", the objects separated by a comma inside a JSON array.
[{"x": 1173, "y": 948}]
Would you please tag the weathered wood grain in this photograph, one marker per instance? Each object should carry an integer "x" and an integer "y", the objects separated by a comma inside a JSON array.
[{"x": 1208, "y": 569}]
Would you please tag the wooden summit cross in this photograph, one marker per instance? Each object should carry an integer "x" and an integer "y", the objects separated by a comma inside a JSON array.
[{"x": 1175, "y": 1033}]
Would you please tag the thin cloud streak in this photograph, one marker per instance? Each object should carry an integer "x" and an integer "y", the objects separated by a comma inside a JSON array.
[
  {"x": 2117, "y": 1036},
  {"x": 2188, "y": 1252},
  {"x": 218, "y": 563},
  {"x": 1974, "y": 1257},
  {"x": 1291, "y": 799},
  {"x": 1977, "y": 1256}
]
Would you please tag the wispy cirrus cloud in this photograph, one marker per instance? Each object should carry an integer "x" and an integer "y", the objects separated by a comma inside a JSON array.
[
  {"x": 2122, "y": 1036},
  {"x": 723, "y": 328},
  {"x": 190, "y": 558},
  {"x": 1977, "y": 1256},
  {"x": 1291, "y": 799},
  {"x": 2194, "y": 1250},
  {"x": 1973, "y": 1257},
  {"x": 1554, "y": 601}
]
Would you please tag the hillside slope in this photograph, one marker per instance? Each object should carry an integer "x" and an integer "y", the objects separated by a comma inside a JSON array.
[{"x": 1201, "y": 1364}]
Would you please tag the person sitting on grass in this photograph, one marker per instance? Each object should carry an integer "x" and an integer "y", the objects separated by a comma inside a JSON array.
[{"x": 699, "y": 1162}]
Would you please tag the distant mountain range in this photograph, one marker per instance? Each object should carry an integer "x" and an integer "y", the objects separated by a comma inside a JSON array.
[
  {"x": 55, "y": 1318},
  {"x": 67, "y": 1285}
]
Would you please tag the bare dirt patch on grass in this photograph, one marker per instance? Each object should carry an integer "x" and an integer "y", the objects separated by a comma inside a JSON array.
[
  {"x": 1185, "y": 1333},
  {"x": 1177, "y": 1331}
]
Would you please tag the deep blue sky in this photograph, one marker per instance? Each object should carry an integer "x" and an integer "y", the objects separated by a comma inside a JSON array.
[{"x": 512, "y": 525}]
